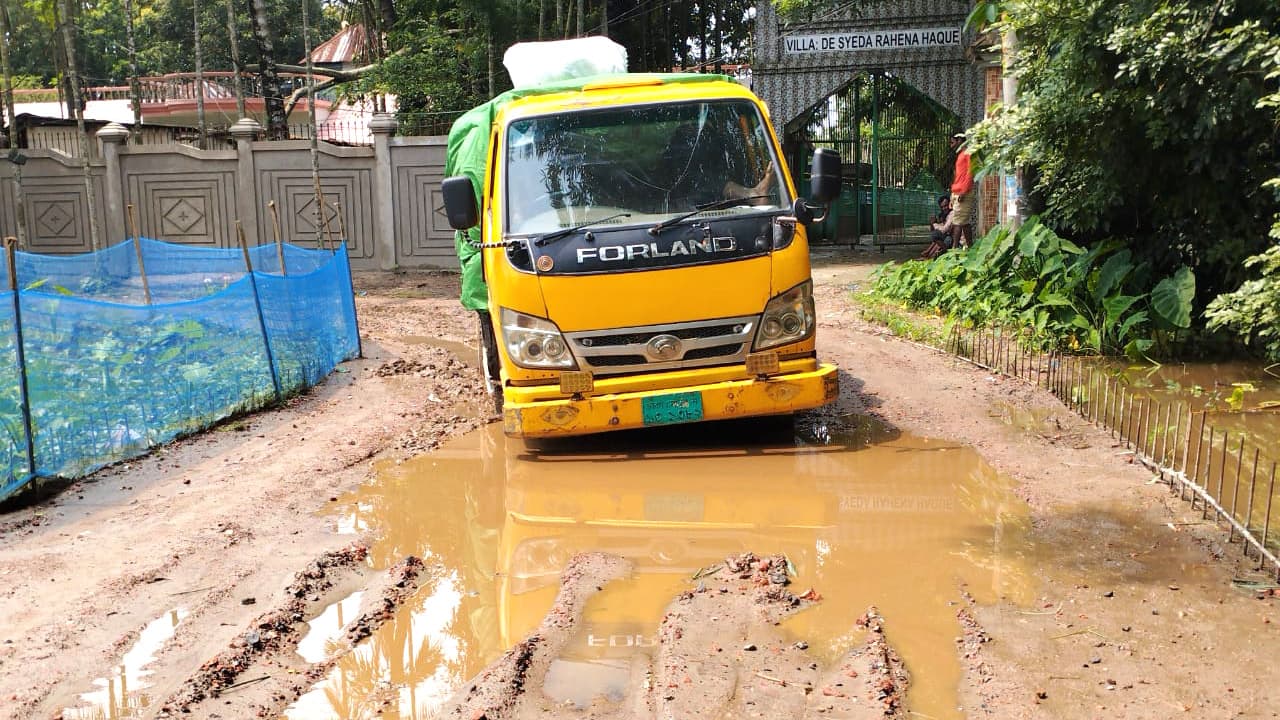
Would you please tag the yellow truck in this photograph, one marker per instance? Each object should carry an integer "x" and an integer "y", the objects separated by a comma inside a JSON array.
[{"x": 637, "y": 253}]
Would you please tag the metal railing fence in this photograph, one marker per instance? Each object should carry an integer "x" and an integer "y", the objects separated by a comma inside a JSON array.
[{"x": 1224, "y": 473}]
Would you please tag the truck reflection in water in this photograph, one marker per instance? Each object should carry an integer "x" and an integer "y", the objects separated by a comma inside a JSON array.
[{"x": 874, "y": 517}]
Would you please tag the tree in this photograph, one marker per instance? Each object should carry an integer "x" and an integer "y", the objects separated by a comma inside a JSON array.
[
  {"x": 264, "y": 35},
  {"x": 1142, "y": 122}
]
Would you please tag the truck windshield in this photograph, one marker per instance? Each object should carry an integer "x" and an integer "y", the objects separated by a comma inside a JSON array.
[{"x": 653, "y": 162}]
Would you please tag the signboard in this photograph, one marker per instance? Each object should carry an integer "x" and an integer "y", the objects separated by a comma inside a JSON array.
[{"x": 907, "y": 39}]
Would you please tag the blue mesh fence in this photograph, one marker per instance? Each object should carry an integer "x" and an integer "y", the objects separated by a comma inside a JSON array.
[
  {"x": 13, "y": 435},
  {"x": 110, "y": 376}
]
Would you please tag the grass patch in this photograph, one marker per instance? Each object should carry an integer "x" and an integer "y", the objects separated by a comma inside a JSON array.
[{"x": 902, "y": 321}]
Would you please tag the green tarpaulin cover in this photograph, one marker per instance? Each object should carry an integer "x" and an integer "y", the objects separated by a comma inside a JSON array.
[{"x": 468, "y": 154}]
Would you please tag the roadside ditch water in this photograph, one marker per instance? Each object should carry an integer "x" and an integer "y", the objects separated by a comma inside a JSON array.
[
  {"x": 123, "y": 693},
  {"x": 867, "y": 516}
]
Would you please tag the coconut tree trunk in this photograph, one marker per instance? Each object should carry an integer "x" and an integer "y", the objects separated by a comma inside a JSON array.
[
  {"x": 135, "y": 87},
  {"x": 582, "y": 18},
  {"x": 719, "y": 36},
  {"x": 233, "y": 36},
  {"x": 6, "y": 73},
  {"x": 542, "y": 18},
  {"x": 321, "y": 215},
  {"x": 702, "y": 38},
  {"x": 200, "y": 116},
  {"x": 277, "y": 122},
  {"x": 604, "y": 17},
  {"x": 77, "y": 102},
  {"x": 387, "y": 9},
  {"x": 490, "y": 50}
]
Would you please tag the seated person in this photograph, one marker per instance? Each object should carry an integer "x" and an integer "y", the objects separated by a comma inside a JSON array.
[
  {"x": 703, "y": 170},
  {"x": 940, "y": 226},
  {"x": 764, "y": 187}
]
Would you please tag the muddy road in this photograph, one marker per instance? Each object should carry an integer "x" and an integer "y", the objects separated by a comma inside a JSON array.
[{"x": 940, "y": 543}]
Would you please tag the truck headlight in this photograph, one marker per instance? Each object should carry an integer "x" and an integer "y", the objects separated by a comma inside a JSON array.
[
  {"x": 534, "y": 342},
  {"x": 787, "y": 318}
]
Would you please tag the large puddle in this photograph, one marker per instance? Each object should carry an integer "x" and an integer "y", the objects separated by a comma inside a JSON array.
[{"x": 867, "y": 517}]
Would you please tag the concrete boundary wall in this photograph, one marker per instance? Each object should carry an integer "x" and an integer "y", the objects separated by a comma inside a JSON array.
[{"x": 387, "y": 196}]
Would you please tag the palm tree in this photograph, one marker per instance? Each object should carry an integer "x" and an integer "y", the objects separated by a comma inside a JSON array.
[{"x": 277, "y": 122}]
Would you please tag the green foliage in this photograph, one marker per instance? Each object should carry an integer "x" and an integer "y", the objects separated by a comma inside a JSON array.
[
  {"x": 164, "y": 36},
  {"x": 1252, "y": 312},
  {"x": 1098, "y": 299},
  {"x": 1151, "y": 121},
  {"x": 902, "y": 324}
]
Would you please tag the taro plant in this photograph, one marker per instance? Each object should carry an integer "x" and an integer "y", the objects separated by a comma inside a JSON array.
[{"x": 1098, "y": 299}]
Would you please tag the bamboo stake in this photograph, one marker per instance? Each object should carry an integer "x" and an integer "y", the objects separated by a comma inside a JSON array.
[
  {"x": 137, "y": 249},
  {"x": 1235, "y": 488},
  {"x": 257, "y": 303},
  {"x": 322, "y": 217},
  {"x": 1146, "y": 429},
  {"x": 11, "y": 260},
  {"x": 1222, "y": 467},
  {"x": 1266, "y": 521},
  {"x": 1162, "y": 439},
  {"x": 342, "y": 224},
  {"x": 1195, "y": 472},
  {"x": 1177, "y": 435},
  {"x": 1253, "y": 490},
  {"x": 275, "y": 228}
]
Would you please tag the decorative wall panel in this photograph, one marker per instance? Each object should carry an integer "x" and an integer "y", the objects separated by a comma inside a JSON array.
[
  {"x": 423, "y": 235},
  {"x": 192, "y": 208},
  {"x": 295, "y": 196}
]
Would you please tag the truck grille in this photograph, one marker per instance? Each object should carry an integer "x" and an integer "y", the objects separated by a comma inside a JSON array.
[{"x": 628, "y": 350}]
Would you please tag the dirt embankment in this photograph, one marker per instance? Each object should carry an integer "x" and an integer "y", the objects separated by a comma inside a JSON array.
[
  {"x": 211, "y": 528},
  {"x": 719, "y": 654}
]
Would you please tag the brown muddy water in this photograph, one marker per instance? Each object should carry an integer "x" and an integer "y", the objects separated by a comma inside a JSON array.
[
  {"x": 867, "y": 516},
  {"x": 464, "y": 352},
  {"x": 124, "y": 693},
  {"x": 1241, "y": 397},
  {"x": 1231, "y": 446}
]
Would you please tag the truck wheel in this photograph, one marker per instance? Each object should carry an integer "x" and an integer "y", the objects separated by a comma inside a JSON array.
[{"x": 489, "y": 362}]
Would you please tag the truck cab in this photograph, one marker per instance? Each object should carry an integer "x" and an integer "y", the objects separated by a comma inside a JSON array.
[{"x": 643, "y": 254}]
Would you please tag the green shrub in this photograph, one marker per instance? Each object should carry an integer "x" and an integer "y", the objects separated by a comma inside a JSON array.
[
  {"x": 1253, "y": 310},
  {"x": 1096, "y": 300}
]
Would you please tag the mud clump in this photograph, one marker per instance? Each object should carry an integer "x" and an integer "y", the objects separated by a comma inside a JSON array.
[
  {"x": 719, "y": 653},
  {"x": 404, "y": 583}
]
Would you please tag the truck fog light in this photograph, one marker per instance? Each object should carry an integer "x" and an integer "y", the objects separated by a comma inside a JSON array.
[
  {"x": 765, "y": 363},
  {"x": 573, "y": 382}
]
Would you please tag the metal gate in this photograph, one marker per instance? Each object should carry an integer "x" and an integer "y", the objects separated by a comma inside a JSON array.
[{"x": 897, "y": 160}]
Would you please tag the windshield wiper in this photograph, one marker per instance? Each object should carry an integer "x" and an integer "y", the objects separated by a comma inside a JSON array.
[
  {"x": 717, "y": 205},
  {"x": 554, "y": 235}
]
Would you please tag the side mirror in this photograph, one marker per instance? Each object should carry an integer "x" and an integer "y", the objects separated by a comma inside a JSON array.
[
  {"x": 824, "y": 176},
  {"x": 460, "y": 202}
]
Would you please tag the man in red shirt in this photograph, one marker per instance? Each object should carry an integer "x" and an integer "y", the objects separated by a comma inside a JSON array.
[{"x": 962, "y": 196}]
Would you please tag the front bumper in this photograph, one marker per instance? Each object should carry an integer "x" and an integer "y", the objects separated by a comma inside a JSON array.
[{"x": 776, "y": 395}]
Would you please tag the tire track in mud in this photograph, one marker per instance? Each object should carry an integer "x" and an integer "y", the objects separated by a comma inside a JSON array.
[
  {"x": 264, "y": 654},
  {"x": 719, "y": 654}
]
